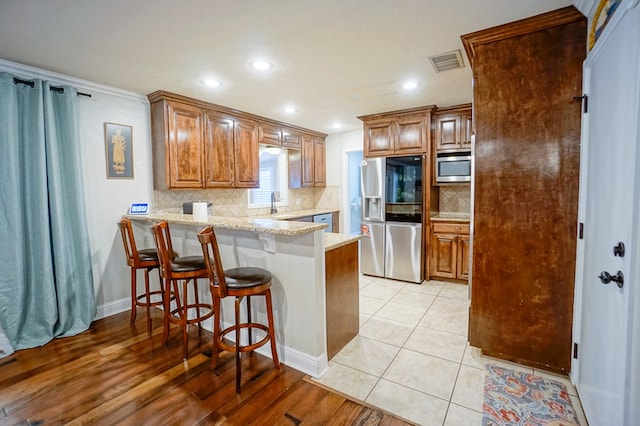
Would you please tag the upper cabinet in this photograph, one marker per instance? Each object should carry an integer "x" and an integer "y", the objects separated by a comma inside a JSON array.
[
  {"x": 403, "y": 132},
  {"x": 183, "y": 155},
  {"x": 199, "y": 145},
  {"x": 246, "y": 154},
  {"x": 453, "y": 129},
  {"x": 313, "y": 161}
]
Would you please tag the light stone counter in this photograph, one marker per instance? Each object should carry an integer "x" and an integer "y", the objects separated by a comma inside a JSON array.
[
  {"x": 333, "y": 241},
  {"x": 298, "y": 214},
  {"x": 250, "y": 224},
  {"x": 451, "y": 217}
]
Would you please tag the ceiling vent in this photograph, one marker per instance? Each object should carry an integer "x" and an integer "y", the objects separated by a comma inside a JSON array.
[{"x": 447, "y": 61}]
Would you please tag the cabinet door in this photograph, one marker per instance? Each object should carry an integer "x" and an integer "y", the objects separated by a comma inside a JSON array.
[
  {"x": 270, "y": 134},
  {"x": 319, "y": 162},
  {"x": 466, "y": 130},
  {"x": 185, "y": 159},
  {"x": 308, "y": 168},
  {"x": 447, "y": 132},
  {"x": 291, "y": 139},
  {"x": 379, "y": 137},
  {"x": 412, "y": 135},
  {"x": 247, "y": 167},
  {"x": 463, "y": 257},
  {"x": 294, "y": 158},
  {"x": 218, "y": 150},
  {"x": 443, "y": 255}
]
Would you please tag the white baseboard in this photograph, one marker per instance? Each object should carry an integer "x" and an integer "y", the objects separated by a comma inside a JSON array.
[{"x": 112, "y": 308}]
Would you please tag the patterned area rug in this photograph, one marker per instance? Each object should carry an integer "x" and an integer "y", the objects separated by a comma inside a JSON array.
[{"x": 515, "y": 398}]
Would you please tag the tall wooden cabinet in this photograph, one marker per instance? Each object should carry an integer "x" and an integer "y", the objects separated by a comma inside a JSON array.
[{"x": 527, "y": 128}]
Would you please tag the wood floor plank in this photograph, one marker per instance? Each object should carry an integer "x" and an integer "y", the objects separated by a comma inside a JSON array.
[{"x": 116, "y": 374}]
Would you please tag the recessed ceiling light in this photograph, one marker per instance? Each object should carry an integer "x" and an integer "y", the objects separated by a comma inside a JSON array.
[
  {"x": 410, "y": 85},
  {"x": 261, "y": 65},
  {"x": 289, "y": 109},
  {"x": 336, "y": 125},
  {"x": 212, "y": 82}
]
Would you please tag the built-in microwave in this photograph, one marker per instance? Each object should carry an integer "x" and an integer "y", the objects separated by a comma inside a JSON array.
[{"x": 453, "y": 167}]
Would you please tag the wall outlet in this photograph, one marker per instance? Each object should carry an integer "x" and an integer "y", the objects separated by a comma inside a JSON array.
[{"x": 297, "y": 201}]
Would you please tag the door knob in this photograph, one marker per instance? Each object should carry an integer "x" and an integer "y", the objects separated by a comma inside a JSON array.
[{"x": 606, "y": 278}]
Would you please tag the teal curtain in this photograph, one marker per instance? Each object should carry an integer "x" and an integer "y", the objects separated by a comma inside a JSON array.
[{"x": 46, "y": 280}]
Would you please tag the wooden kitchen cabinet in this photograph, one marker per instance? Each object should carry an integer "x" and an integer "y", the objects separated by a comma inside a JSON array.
[
  {"x": 453, "y": 129},
  {"x": 218, "y": 149},
  {"x": 450, "y": 250},
  {"x": 526, "y": 200},
  {"x": 246, "y": 149},
  {"x": 319, "y": 162},
  {"x": 184, "y": 162},
  {"x": 269, "y": 134},
  {"x": 198, "y": 145},
  {"x": 313, "y": 161},
  {"x": 398, "y": 133}
]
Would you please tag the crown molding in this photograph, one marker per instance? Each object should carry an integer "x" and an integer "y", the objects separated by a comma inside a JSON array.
[{"x": 27, "y": 72}]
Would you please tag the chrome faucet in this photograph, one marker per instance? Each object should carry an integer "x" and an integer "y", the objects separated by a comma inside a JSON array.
[{"x": 273, "y": 203}]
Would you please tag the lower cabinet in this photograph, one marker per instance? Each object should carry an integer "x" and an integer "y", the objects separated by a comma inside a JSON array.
[
  {"x": 450, "y": 250},
  {"x": 342, "y": 296}
]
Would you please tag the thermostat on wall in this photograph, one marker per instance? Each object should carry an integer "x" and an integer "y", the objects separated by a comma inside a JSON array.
[{"x": 139, "y": 208}]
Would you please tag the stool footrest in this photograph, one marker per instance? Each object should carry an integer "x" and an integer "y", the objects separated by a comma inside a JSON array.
[
  {"x": 176, "y": 318},
  {"x": 243, "y": 348}
]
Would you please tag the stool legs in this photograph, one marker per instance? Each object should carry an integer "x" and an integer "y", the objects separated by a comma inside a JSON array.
[
  {"x": 134, "y": 296},
  {"x": 272, "y": 334},
  {"x": 238, "y": 348}
]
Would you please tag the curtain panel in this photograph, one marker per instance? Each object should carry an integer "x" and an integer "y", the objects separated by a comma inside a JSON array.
[{"x": 46, "y": 279}]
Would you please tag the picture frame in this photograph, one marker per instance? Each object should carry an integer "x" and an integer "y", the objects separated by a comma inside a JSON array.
[
  {"x": 118, "y": 140},
  {"x": 601, "y": 17}
]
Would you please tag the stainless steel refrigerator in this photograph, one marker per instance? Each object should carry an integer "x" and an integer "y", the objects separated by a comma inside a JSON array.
[{"x": 391, "y": 244}]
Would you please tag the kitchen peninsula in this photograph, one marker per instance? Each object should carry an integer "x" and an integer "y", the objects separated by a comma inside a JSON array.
[{"x": 305, "y": 287}]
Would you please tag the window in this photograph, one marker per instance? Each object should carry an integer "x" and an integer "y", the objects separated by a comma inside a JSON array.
[{"x": 273, "y": 177}]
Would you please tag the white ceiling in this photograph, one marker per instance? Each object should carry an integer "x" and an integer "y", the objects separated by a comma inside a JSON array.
[{"x": 333, "y": 60}]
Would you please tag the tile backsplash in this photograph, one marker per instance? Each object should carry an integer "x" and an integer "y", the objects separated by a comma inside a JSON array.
[
  {"x": 234, "y": 202},
  {"x": 455, "y": 199}
]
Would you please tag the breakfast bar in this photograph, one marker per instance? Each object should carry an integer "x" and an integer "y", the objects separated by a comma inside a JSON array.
[{"x": 295, "y": 254}]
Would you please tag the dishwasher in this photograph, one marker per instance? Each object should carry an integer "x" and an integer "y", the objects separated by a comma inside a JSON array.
[{"x": 325, "y": 218}]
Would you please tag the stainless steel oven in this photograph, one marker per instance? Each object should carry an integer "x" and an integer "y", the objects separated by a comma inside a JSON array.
[{"x": 452, "y": 168}]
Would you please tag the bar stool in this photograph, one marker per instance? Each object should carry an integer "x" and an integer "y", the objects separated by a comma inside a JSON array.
[
  {"x": 238, "y": 283},
  {"x": 175, "y": 269},
  {"x": 146, "y": 259}
]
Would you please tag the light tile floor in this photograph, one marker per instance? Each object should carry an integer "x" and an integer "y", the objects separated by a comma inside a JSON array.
[{"x": 411, "y": 357}]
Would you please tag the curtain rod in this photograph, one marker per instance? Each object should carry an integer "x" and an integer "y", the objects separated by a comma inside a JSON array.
[{"x": 57, "y": 89}]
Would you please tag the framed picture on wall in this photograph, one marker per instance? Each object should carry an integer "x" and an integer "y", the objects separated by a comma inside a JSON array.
[{"x": 119, "y": 150}]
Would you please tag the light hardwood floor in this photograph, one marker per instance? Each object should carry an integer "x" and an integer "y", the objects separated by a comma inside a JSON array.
[{"x": 114, "y": 374}]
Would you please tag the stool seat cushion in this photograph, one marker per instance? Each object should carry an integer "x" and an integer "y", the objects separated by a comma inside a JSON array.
[
  {"x": 246, "y": 277},
  {"x": 148, "y": 254},
  {"x": 187, "y": 263}
]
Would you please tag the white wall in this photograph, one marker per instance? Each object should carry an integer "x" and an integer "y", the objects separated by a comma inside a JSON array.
[
  {"x": 106, "y": 199},
  {"x": 338, "y": 145}
]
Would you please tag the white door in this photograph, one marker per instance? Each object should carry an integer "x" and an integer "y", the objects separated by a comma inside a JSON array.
[{"x": 610, "y": 144}]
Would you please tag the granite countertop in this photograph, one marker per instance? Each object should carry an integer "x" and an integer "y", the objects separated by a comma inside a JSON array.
[
  {"x": 297, "y": 214},
  {"x": 251, "y": 224},
  {"x": 333, "y": 241},
  {"x": 451, "y": 217}
]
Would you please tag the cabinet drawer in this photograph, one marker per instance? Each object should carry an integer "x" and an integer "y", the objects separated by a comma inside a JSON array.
[{"x": 450, "y": 228}]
